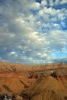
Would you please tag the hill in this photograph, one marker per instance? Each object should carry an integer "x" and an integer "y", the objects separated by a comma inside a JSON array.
[
  {"x": 26, "y": 70},
  {"x": 13, "y": 82},
  {"x": 32, "y": 82},
  {"x": 46, "y": 89}
]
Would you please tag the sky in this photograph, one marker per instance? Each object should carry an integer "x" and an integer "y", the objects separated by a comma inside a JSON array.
[{"x": 33, "y": 31}]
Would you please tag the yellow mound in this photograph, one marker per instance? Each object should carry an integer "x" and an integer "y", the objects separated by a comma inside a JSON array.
[
  {"x": 47, "y": 89},
  {"x": 13, "y": 82}
]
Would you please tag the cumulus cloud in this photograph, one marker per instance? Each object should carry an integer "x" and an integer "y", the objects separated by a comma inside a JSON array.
[
  {"x": 63, "y": 1},
  {"x": 44, "y": 3},
  {"x": 52, "y": 2},
  {"x": 35, "y": 6},
  {"x": 31, "y": 32}
]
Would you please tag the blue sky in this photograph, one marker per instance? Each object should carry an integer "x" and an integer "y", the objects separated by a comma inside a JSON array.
[{"x": 33, "y": 31}]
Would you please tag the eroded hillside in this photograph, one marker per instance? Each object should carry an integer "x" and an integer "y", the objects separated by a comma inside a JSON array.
[{"x": 37, "y": 82}]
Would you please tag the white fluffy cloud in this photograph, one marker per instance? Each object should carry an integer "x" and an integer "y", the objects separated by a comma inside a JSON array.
[
  {"x": 44, "y": 3},
  {"x": 31, "y": 32},
  {"x": 63, "y": 1},
  {"x": 52, "y": 2},
  {"x": 35, "y": 6}
]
